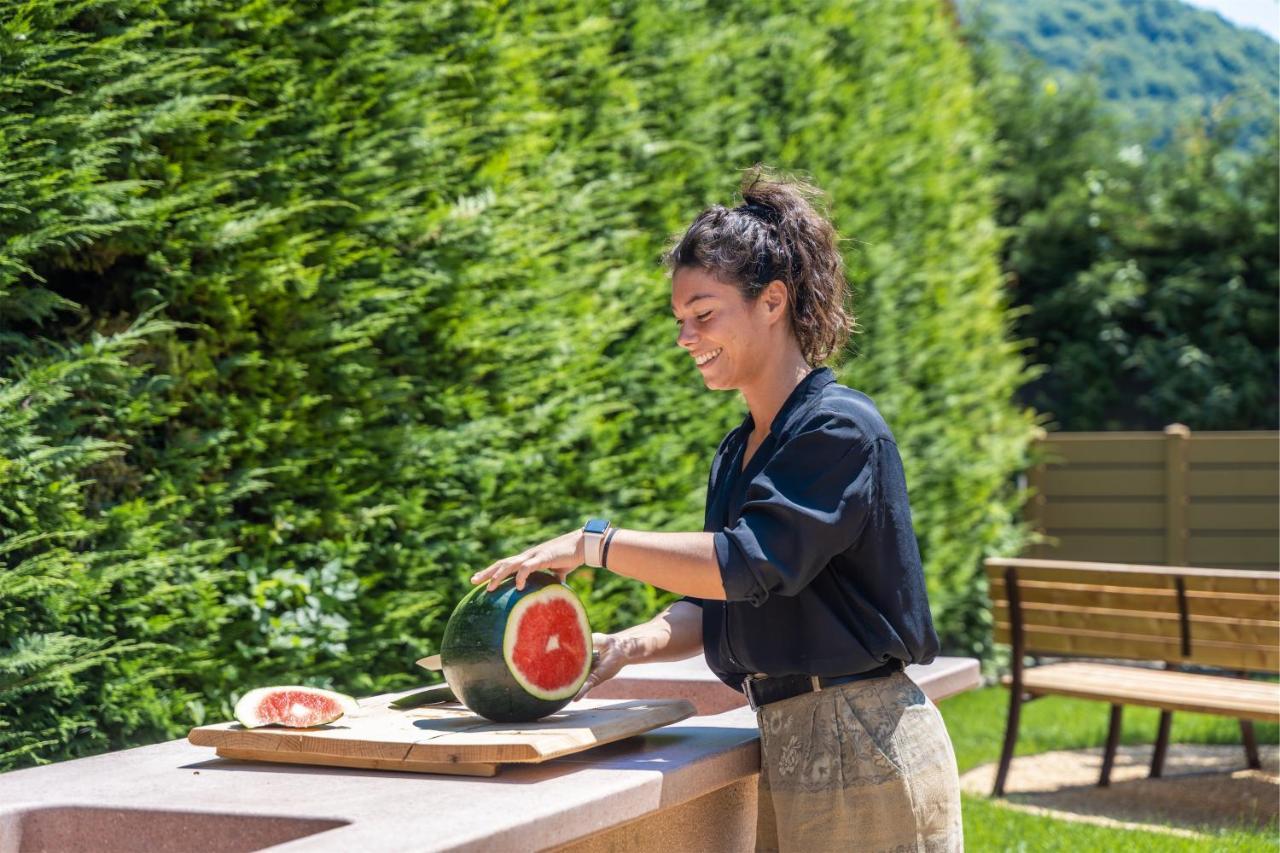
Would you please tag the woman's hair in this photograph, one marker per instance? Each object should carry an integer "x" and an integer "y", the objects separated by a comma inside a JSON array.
[{"x": 776, "y": 233}]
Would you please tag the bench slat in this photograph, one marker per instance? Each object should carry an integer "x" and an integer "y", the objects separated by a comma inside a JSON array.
[
  {"x": 1171, "y": 691},
  {"x": 1161, "y": 681},
  {"x": 996, "y": 565},
  {"x": 1121, "y": 623},
  {"x": 1229, "y": 605},
  {"x": 1223, "y": 605},
  {"x": 1107, "y": 644},
  {"x": 1241, "y": 632},
  {"x": 1139, "y": 576}
]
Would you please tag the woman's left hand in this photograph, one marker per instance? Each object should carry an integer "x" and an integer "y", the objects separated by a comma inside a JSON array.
[{"x": 561, "y": 555}]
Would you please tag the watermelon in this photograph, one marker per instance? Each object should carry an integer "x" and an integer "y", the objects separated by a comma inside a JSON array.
[
  {"x": 516, "y": 655},
  {"x": 292, "y": 705}
]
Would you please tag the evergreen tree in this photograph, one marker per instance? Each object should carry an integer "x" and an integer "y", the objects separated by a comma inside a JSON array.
[{"x": 1147, "y": 280}]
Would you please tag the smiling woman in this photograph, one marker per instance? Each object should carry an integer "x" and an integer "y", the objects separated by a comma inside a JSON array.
[{"x": 804, "y": 590}]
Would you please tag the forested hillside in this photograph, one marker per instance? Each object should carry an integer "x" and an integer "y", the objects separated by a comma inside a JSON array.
[
  {"x": 1158, "y": 63},
  {"x": 1146, "y": 279}
]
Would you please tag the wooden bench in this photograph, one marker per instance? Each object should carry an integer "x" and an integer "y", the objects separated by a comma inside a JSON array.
[{"x": 1169, "y": 615}]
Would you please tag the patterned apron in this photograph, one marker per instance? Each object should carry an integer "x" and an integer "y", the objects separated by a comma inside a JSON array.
[{"x": 863, "y": 766}]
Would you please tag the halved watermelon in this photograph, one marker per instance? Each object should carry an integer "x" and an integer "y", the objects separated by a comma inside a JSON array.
[
  {"x": 292, "y": 705},
  {"x": 515, "y": 655}
]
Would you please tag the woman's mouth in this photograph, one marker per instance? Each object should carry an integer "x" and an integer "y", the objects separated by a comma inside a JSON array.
[{"x": 706, "y": 358}]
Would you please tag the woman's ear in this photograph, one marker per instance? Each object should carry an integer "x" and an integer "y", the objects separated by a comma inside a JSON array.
[{"x": 775, "y": 299}]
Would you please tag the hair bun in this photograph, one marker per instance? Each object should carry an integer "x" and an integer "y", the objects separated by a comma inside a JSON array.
[{"x": 760, "y": 210}]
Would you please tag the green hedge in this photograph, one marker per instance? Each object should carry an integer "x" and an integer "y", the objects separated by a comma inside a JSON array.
[{"x": 308, "y": 313}]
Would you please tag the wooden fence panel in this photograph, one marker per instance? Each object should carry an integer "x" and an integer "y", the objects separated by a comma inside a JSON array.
[
  {"x": 1250, "y": 448},
  {"x": 1172, "y": 498},
  {"x": 1233, "y": 515},
  {"x": 1106, "y": 515},
  {"x": 1129, "y": 481},
  {"x": 1238, "y": 549},
  {"x": 1105, "y": 448}
]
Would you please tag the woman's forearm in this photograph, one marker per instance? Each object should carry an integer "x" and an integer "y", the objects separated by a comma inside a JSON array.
[
  {"x": 674, "y": 634},
  {"x": 683, "y": 563}
]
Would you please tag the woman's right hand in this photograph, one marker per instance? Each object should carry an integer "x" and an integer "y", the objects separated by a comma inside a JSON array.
[{"x": 609, "y": 661}]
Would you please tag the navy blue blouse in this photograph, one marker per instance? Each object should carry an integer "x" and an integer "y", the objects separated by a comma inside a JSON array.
[{"x": 814, "y": 543}]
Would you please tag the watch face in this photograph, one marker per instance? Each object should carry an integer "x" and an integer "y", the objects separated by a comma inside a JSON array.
[{"x": 596, "y": 525}]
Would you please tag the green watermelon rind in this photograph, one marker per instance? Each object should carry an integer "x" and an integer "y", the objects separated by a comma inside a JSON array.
[
  {"x": 509, "y": 641},
  {"x": 471, "y": 657},
  {"x": 249, "y": 702}
]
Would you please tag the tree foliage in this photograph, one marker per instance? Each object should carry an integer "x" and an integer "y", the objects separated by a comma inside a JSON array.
[
  {"x": 1148, "y": 281},
  {"x": 308, "y": 311}
]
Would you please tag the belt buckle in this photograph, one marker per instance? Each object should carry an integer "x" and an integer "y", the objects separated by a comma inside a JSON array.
[{"x": 746, "y": 688}]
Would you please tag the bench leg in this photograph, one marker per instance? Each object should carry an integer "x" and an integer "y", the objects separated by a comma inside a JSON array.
[
  {"x": 1010, "y": 738},
  {"x": 1113, "y": 740},
  {"x": 1162, "y": 745},
  {"x": 1250, "y": 745}
]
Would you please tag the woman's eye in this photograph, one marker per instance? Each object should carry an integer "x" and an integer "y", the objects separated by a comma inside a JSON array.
[{"x": 702, "y": 318}]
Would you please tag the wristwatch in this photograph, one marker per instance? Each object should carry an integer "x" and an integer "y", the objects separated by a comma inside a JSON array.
[{"x": 592, "y": 541}]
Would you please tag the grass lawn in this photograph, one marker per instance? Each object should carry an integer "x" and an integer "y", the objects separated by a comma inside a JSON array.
[{"x": 976, "y": 723}]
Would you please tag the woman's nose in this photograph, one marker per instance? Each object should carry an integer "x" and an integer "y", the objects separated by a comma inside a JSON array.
[{"x": 686, "y": 337}]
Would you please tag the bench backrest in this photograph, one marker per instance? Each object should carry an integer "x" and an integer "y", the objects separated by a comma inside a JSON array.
[{"x": 1225, "y": 618}]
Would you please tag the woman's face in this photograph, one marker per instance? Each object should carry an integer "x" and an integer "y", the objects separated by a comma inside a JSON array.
[{"x": 716, "y": 320}]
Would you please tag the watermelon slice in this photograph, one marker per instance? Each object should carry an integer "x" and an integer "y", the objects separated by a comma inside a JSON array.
[
  {"x": 293, "y": 706},
  {"x": 516, "y": 655}
]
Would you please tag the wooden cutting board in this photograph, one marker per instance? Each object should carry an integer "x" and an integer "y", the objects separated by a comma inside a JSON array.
[{"x": 444, "y": 738}]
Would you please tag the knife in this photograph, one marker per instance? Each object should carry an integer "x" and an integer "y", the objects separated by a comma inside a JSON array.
[{"x": 432, "y": 662}]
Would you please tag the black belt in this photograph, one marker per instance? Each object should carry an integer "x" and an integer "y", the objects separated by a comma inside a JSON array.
[{"x": 764, "y": 689}]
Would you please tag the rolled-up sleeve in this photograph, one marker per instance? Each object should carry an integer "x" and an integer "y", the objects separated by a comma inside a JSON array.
[{"x": 810, "y": 502}]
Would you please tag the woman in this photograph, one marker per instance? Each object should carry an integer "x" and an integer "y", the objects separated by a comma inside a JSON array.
[{"x": 805, "y": 590}]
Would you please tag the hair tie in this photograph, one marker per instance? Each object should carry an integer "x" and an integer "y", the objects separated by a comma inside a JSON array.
[{"x": 760, "y": 211}]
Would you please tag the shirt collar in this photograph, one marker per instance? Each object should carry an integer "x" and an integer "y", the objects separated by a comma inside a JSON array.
[{"x": 807, "y": 389}]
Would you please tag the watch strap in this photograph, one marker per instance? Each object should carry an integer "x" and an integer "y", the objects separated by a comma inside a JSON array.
[
  {"x": 593, "y": 533},
  {"x": 604, "y": 553}
]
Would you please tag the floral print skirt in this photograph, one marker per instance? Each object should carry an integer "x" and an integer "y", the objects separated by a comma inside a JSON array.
[{"x": 861, "y": 766}]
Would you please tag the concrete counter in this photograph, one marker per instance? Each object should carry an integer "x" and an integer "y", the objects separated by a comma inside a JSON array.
[{"x": 661, "y": 790}]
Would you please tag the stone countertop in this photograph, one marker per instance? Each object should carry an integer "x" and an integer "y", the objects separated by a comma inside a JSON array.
[{"x": 574, "y": 796}]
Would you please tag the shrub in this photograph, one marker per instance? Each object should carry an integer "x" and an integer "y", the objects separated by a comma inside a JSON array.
[{"x": 321, "y": 309}]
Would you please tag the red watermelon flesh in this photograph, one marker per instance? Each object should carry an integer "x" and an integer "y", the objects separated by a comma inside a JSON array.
[
  {"x": 550, "y": 645},
  {"x": 294, "y": 706}
]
